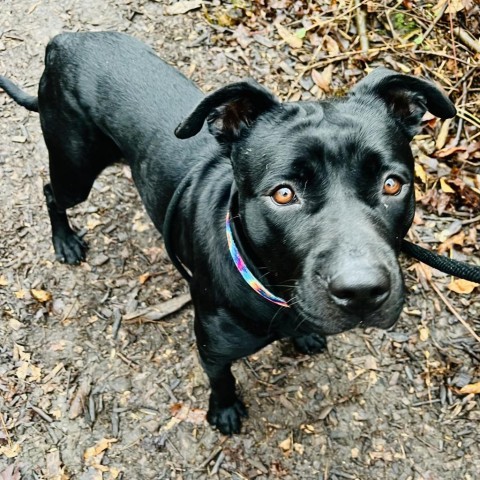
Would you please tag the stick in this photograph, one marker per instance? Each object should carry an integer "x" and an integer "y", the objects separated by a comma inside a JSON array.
[
  {"x": 452, "y": 309},
  {"x": 360, "y": 17}
]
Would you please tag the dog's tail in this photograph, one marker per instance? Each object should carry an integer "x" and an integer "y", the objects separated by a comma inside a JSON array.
[{"x": 28, "y": 101}]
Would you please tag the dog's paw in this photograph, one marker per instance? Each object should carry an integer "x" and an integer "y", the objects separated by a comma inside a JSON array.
[
  {"x": 310, "y": 344},
  {"x": 69, "y": 248},
  {"x": 227, "y": 419}
]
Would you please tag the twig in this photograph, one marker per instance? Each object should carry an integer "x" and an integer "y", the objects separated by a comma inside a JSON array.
[
  {"x": 460, "y": 122},
  {"x": 432, "y": 25},
  {"x": 452, "y": 309},
  {"x": 216, "y": 467},
  {"x": 42, "y": 414},
  {"x": 129, "y": 362},
  {"x": 157, "y": 312},
  {"x": 454, "y": 48},
  {"x": 471, "y": 220},
  {"x": 469, "y": 72},
  {"x": 467, "y": 39},
  {"x": 361, "y": 20}
]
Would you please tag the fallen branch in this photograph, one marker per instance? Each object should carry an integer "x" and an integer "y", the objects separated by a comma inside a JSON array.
[
  {"x": 467, "y": 39},
  {"x": 361, "y": 20},
  {"x": 157, "y": 312}
]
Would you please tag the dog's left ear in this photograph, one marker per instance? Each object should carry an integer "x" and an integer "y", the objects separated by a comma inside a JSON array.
[
  {"x": 228, "y": 111},
  {"x": 408, "y": 97}
]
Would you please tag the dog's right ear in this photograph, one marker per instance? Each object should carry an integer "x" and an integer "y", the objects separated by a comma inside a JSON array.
[{"x": 228, "y": 111}]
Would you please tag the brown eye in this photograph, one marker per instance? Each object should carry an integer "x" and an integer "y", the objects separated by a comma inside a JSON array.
[
  {"x": 283, "y": 195},
  {"x": 391, "y": 186}
]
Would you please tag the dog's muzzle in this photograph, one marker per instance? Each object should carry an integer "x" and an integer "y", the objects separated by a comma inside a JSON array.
[{"x": 360, "y": 288}]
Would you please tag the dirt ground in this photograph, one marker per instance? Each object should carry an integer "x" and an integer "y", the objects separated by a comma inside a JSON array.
[{"x": 81, "y": 366}]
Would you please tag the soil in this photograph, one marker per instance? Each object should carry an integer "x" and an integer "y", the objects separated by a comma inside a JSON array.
[{"x": 82, "y": 366}]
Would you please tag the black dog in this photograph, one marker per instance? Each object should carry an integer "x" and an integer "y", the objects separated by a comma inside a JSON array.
[{"x": 286, "y": 217}]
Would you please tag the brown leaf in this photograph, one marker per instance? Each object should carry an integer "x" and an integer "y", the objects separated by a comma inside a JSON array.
[
  {"x": 457, "y": 239},
  {"x": 286, "y": 445},
  {"x": 423, "y": 333},
  {"x": 288, "y": 36},
  {"x": 98, "y": 448},
  {"x": 443, "y": 134},
  {"x": 324, "y": 79},
  {"x": 420, "y": 173},
  {"x": 462, "y": 286},
  {"x": 446, "y": 188},
  {"x": 144, "y": 277},
  {"x": 184, "y": 413},
  {"x": 470, "y": 388},
  {"x": 447, "y": 151},
  {"x": 10, "y": 450},
  {"x": 78, "y": 402},
  {"x": 41, "y": 296},
  {"x": 331, "y": 45}
]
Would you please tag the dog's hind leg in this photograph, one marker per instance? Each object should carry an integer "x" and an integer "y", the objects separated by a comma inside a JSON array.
[
  {"x": 77, "y": 154},
  {"x": 69, "y": 246}
]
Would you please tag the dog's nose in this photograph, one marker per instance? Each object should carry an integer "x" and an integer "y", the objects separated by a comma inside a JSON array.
[{"x": 360, "y": 290}]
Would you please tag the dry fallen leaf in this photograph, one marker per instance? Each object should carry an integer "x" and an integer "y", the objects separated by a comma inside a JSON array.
[
  {"x": 15, "y": 324},
  {"x": 144, "y": 277},
  {"x": 471, "y": 388},
  {"x": 41, "y": 296},
  {"x": 286, "y": 445},
  {"x": 10, "y": 450},
  {"x": 78, "y": 402},
  {"x": 420, "y": 173},
  {"x": 423, "y": 333},
  {"x": 288, "y": 36},
  {"x": 446, "y": 188},
  {"x": 27, "y": 371},
  {"x": 183, "y": 412},
  {"x": 462, "y": 286},
  {"x": 98, "y": 448},
  {"x": 19, "y": 353},
  {"x": 457, "y": 239},
  {"x": 3, "y": 281},
  {"x": 323, "y": 79}
]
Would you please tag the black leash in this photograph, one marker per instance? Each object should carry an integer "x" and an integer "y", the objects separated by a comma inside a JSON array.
[
  {"x": 444, "y": 264},
  {"x": 432, "y": 259}
]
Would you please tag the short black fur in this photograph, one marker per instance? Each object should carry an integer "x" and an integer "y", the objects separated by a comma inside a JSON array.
[{"x": 331, "y": 252}]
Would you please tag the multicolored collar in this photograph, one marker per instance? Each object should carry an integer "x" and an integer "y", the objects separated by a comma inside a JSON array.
[{"x": 244, "y": 271}]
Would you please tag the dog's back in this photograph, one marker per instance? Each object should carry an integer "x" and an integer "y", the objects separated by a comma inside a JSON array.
[{"x": 115, "y": 99}]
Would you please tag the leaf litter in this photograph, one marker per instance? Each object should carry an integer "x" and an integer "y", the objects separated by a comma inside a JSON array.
[{"x": 86, "y": 361}]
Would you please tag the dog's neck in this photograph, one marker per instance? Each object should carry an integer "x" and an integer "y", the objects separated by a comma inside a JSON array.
[{"x": 241, "y": 260}]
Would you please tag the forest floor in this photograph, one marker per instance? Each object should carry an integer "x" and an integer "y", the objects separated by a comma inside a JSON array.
[{"x": 90, "y": 388}]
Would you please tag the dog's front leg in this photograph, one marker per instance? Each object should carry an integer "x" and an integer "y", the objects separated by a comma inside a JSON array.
[
  {"x": 310, "y": 344},
  {"x": 222, "y": 339}
]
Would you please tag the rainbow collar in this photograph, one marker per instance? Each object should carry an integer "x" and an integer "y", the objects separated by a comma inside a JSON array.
[{"x": 244, "y": 270}]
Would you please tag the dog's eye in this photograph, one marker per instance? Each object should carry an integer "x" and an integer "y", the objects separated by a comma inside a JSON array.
[
  {"x": 392, "y": 186},
  {"x": 283, "y": 195}
]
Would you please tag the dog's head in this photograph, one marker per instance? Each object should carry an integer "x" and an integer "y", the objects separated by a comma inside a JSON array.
[{"x": 326, "y": 190}]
